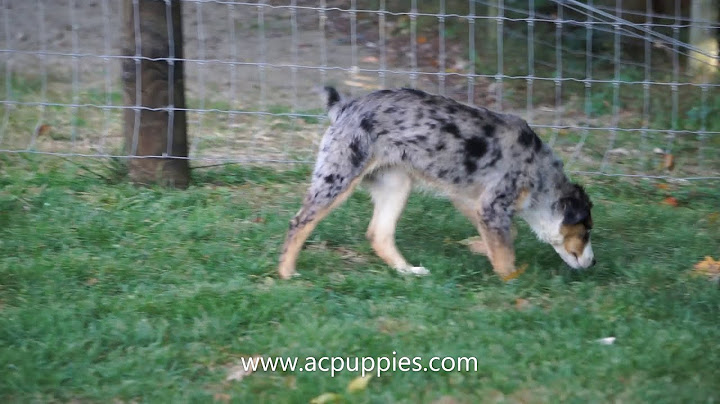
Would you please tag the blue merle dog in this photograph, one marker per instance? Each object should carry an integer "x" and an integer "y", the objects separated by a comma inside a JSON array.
[{"x": 490, "y": 165}]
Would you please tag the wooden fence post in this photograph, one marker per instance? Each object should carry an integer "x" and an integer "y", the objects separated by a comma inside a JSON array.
[{"x": 153, "y": 90}]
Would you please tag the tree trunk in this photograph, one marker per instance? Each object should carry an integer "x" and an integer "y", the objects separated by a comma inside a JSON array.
[
  {"x": 157, "y": 85},
  {"x": 703, "y": 37}
]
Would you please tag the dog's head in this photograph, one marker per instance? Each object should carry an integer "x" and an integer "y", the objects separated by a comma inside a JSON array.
[{"x": 573, "y": 245}]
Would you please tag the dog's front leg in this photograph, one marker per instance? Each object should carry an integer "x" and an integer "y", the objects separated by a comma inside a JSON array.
[{"x": 496, "y": 230}]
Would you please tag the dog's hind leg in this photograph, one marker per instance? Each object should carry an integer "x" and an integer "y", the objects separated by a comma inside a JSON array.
[
  {"x": 342, "y": 161},
  {"x": 390, "y": 189}
]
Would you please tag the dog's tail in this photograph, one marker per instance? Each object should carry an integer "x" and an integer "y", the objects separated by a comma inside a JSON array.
[{"x": 333, "y": 102}]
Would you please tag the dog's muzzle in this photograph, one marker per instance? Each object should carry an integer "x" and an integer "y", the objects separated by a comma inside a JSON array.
[{"x": 585, "y": 260}]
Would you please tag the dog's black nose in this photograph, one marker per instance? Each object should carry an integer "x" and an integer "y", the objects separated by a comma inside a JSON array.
[{"x": 593, "y": 263}]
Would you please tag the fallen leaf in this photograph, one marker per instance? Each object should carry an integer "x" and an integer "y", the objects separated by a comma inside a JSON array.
[
  {"x": 422, "y": 39},
  {"x": 239, "y": 371},
  {"x": 358, "y": 384},
  {"x": 43, "y": 130},
  {"x": 258, "y": 219},
  {"x": 522, "y": 304},
  {"x": 92, "y": 281},
  {"x": 326, "y": 398},
  {"x": 669, "y": 162},
  {"x": 663, "y": 186},
  {"x": 671, "y": 201},
  {"x": 518, "y": 272},
  {"x": 708, "y": 267}
]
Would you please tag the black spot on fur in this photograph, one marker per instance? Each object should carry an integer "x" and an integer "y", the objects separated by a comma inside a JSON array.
[
  {"x": 575, "y": 206},
  {"x": 398, "y": 122},
  {"x": 330, "y": 178},
  {"x": 451, "y": 109},
  {"x": 416, "y": 92},
  {"x": 496, "y": 155},
  {"x": 390, "y": 110},
  {"x": 421, "y": 138},
  {"x": 440, "y": 146},
  {"x": 489, "y": 130},
  {"x": 470, "y": 166},
  {"x": 475, "y": 147},
  {"x": 347, "y": 107},
  {"x": 419, "y": 114},
  {"x": 403, "y": 156},
  {"x": 382, "y": 132},
  {"x": 456, "y": 180},
  {"x": 474, "y": 112},
  {"x": 442, "y": 173},
  {"x": 528, "y": 138},
  {"x": 431, "y": 125},
  {"x": 452, "y": 129},
  {"x": 357, "y": 154},
  {"x": 368, "y": 122}
]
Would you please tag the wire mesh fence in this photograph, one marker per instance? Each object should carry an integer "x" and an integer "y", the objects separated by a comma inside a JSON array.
[{"x": 609, "y": 85}]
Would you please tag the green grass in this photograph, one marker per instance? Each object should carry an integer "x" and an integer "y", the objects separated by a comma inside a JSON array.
[{"x": 144, "y": 294}]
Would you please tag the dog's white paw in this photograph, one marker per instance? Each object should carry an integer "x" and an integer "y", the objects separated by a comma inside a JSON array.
[{"x": 419, "y": 271}]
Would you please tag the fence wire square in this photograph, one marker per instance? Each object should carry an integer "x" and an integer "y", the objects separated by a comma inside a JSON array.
[{"x": 615, "y": 90}]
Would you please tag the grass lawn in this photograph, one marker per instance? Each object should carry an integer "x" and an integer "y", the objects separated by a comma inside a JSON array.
[{"x": 114, "y": 293}]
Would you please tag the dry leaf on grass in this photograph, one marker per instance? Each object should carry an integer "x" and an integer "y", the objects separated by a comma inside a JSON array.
[
  {"x": 326, "y": 398},
  {"x": 670, "y": 201},
  {"x": 669, "y": 162},
  {"x": 359, "y": 383},
  {"x": 522, "y": 304},
  {"x": 43, "y": 130},
  {"x": 708, "y": 267},
  {"x": 242, "y": 369}
]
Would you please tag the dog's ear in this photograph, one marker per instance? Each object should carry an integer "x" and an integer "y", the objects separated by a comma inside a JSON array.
[
  {"x": 575, "y": 206},
  {"x": 574, "y": 211}
]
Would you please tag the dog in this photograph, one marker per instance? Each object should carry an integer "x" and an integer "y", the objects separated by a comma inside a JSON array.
[{"x": 492, "y": 166}]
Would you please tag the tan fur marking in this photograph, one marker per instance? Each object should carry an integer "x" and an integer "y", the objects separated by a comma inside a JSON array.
[
  {"x": 573, "y": 238},
  {"x": 500, "y": 253},
  {"x": 522, "y": 197}
]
